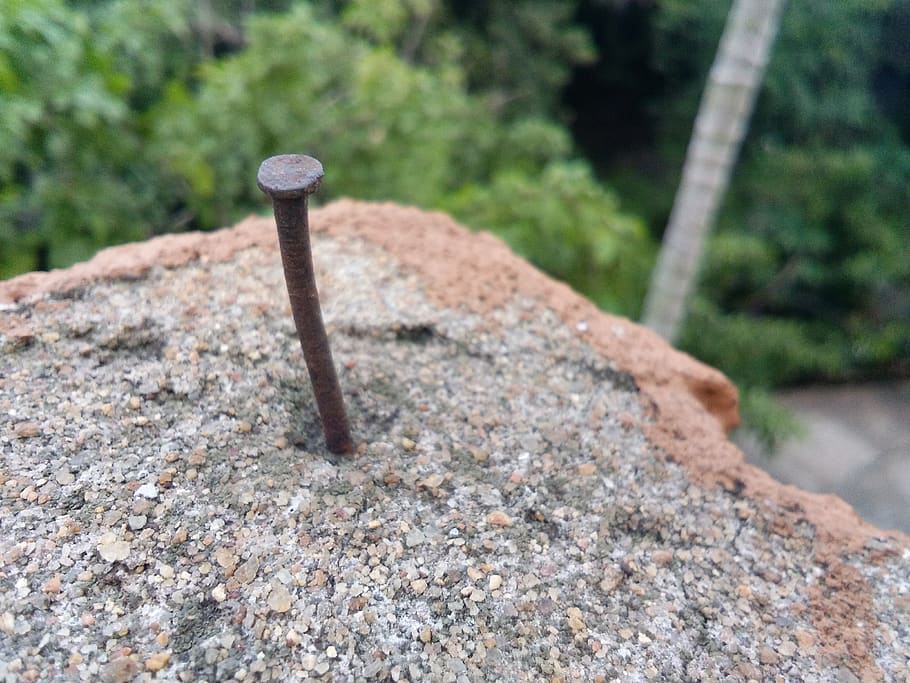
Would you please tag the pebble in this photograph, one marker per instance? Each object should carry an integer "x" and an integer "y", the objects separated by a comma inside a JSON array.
[
  {"x": 64, "y": 477},
  {"x": 112, "y": 549},
  {"x": 247, "y": 571},
  {"x": 279, "y": 598},
  {"x": 137, "y": 522},
  {"x": 120, "y": 670},
  {"x": 499, "y": 518},
  {"x": 147, "y": 491},
  {"x": 26, "y": 430},
  {"x": 767, "y": 656},
  {"x": 225, "y": 557},
  {"x": 157, "y": 661},
  {"x": 495, "y": 582}
]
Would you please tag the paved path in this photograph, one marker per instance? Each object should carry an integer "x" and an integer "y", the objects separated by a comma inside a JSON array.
[{"x": 857, "y": 445}]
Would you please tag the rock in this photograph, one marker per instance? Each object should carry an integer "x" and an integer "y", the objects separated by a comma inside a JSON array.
[
  {"x": 157, "y": 661},
  {"x": 279, "y": 598},
  {"x": 247, "y": 571},
  {"x": 499, "y": 518},
  {"x": 64, "y": 477},
  {"x": 136, "y": 522},
  {"x": 26, "y": 430},
  {"x": 120, "y": 670},
  {"x": 112, "y": 549},
  {"x": 147, "y": 491}
]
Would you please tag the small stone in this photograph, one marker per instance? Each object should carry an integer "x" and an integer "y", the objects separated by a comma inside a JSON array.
[
  {"x": 576, "y": 624},
  {"x": 495, "y": 582},
  {"x": 147, "y": 491},
  {"x": 322, "y": 668},
  {"x": 418, "y": 586},
  {"x": 179, "y": 536},
  {"x": 137, "y": 522},
  {"x": 308, "y": 662},
  {"x": 292, "y": 638},
  {"x": 244, "y": 427},
  {"x": 414, "y": 538},
  {"x": 219, "y": 593},
  {"x": 26, "y": 430},
  {"x": 574, "y": 619},
  {"x": 111, "y": 549},
  {"x": 225, "y": 557},
  {"x": 247, "y": 571},
  {"x": 662, "y": 557},
  {"x": 64, "y": 476},
  {"x": 157, "y": 661},
  {"x": 280, "y": 598},
  {"x": 767, "y": 656},
  {"x": 426, "y": 635},
  {"x": 787, "y": 648},
  {"x": 477, "y": 595},
  {"x": 804, "y": 638},
  {"x": 7, "y": 623},
  {"x": 625, "y": 633},
  {"x": 52, "y": 585},
  {"x": 135, "y": 403},
  {"x": 87, "y": 619},
  {"x": 166, "y": 571},
  {"x": 587, "y": 469},
  {"x": 120, "y": 670},
  {"x": 196, "y": 458},
  {"x": 408, "y": 444},
  {"x": 162, "y": 639},
  {"x": 499, "y": 518},
  {"x": 75, "y": 659},
  {"x": 331, "y": 652}
]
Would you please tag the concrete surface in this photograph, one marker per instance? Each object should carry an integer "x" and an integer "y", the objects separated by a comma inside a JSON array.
[{"x": 857, "y": 446}]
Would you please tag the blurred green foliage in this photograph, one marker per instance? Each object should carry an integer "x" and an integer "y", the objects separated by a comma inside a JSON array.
[
  {"x": 120, "y": 119},
  {"x": 173, "y": 136},
  {"x": 809, "y": 263}
]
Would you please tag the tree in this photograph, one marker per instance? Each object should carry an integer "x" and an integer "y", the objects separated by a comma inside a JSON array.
[{"x": 720, "y": 126}]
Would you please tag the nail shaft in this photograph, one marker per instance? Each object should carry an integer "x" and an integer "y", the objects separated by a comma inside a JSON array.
[{"x": 288, "y": 180}]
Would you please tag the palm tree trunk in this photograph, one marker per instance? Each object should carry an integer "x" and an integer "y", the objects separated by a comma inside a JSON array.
[{"x": 720, "y": 126}]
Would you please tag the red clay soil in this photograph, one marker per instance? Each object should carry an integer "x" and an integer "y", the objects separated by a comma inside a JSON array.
[{"x": 693, "y": 406}]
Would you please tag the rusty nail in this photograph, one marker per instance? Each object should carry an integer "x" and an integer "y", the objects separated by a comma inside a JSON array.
[{"x": 288, "y": 179}]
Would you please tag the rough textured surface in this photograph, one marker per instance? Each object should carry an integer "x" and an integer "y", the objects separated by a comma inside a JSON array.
[{"x": 542, "y": 491}]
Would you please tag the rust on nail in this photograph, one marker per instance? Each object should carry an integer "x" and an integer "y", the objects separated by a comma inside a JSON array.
[{"x": 289, "y": 179}]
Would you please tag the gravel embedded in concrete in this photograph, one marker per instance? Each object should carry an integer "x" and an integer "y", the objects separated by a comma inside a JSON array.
[{"x": 169, "y": 511}]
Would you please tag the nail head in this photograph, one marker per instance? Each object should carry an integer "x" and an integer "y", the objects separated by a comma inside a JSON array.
[{"x": 287, "y": 176}]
